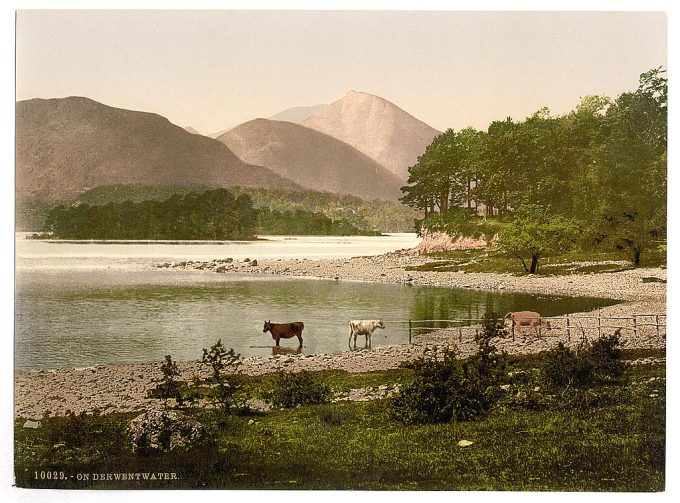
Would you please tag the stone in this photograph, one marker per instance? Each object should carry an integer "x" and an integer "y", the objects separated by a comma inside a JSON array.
[
  {"x": 164, "y": 431},
  {"x": 32, "y": 424},
  {"x": 465, "y": 443},
  {"x": 253, "y": 263}
]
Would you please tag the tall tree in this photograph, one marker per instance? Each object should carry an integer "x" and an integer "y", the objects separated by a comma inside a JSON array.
[{"x": 632, "y": 170}]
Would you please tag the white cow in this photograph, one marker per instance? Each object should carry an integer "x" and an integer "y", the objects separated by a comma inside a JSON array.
[{"x": 363, "y": 327}]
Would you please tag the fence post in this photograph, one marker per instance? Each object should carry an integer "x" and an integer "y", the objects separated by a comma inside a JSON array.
[
  {"x": 512, "y": 324},
  {"x": 409, "y": 331},
  {"x": 460, "y": 334},
  {"x": 540, "y": 326},
  {"x": 657, "y": 326},
  {"x": 599, "y": 324},
  {"x": 635, "y": 325},
  {"x": 568, "y": 329}
]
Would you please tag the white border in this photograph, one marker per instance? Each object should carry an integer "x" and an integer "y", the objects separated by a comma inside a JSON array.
[{"x": 7, "y": 233}]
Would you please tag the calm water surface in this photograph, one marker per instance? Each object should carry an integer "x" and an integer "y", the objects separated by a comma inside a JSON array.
[{"x": 103, "y": 303}]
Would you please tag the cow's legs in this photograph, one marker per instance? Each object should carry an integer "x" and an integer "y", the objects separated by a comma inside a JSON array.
[
  {"x": 300, "y": 338},
  {"x": 277, "y": 341}
]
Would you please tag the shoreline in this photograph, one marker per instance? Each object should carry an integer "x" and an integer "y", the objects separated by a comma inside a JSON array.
[{"x": 117, "y": 388}]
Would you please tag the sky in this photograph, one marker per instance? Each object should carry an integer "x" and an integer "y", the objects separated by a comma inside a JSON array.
[{"x": 212, "y": 70}]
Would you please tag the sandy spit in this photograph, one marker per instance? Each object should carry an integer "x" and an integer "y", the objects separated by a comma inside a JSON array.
[{"x": 124, "y": 388}]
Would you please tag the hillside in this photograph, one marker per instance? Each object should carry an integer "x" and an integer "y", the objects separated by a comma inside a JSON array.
[
  {"x": 66, "y": 146},
  {"x": 297, "y": 114},
  {"x": 377, "y": 128},
  {"x": 311, "y": 159},
  {"x": 369, "y": 215}
]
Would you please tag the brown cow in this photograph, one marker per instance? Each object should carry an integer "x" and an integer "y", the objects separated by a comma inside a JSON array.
[
  {"x": 284, "y": 330},
  {"x": 529, "y": 319}
]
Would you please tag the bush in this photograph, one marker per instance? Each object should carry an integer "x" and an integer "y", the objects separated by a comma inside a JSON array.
[
  {"x": 488, "y": 363},
  {"x": 296, "y": 389},
  {"x": 590, "y": 363},
  {"x": 604, "y": 356},
  {"x": 224, "y": 384},
  {"x": 169, "y": 387},
  {"x": 446, "y": 388},
  {"x": 441, "y": 391}
]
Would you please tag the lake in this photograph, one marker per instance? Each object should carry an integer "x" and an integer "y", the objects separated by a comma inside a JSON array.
[{"x": 82, "y": 304}]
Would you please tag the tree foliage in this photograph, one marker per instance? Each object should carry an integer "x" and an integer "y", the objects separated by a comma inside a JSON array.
[
  {"x": 534, "y": 232},
  {"x": 603, "y": 165}
]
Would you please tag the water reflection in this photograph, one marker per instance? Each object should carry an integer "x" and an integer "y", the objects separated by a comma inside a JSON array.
[{"x": 281, "y": 350}]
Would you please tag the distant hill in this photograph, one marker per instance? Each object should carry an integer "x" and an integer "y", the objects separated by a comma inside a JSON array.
[
  {"x": 384, "y": 216},
  {"x": 297, "y": 114},
  {"x": 66, "y": 146},
  {"x": 191, "y": 130},
  {"x": 377, "y": 128},
  {"x": 311, "y": 159}
]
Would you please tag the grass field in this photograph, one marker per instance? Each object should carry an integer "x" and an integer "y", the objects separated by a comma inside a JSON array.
[{"x": 606, "y": 438}]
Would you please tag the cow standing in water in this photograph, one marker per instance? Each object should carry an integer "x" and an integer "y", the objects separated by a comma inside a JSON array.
[
  {"x": 284, "y": 330},
  {"x": 529, "y": 319},
  {"x": 363, "y": 327}
]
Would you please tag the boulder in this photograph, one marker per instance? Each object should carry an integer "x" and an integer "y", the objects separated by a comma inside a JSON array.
[{"x": 165, "y": 431}]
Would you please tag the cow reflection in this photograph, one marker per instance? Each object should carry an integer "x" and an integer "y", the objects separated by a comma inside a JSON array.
[{"x": 280, "y": 350}]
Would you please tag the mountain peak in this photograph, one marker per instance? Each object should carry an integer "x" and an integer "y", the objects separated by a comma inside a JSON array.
[{"x": 376, "y": 127}]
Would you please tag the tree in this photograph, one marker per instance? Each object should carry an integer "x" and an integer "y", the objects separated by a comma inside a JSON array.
[
  {"x": 443, "y": 176},
  {"x": 534, "y": 232},
  {"x": 631, "y": 169}
]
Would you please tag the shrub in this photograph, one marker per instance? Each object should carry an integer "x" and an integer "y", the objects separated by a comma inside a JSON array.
[
  {"x": 604, "y": 355},
  {"x": 293, "y": 389},
  {"x": 590, "y": 363},
  {"x": 224, "y": 383},
  {"x": 488, "y": 364},
  {"x": 440, "y": 392},
  {"x": 169, "y": 387},
  {"x": 446, "y": 388}
]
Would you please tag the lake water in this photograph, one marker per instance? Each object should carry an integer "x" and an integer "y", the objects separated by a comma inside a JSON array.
[{"x": 86, "y": 304}]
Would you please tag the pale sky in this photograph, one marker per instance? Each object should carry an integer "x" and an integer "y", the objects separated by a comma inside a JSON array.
[{"x": 216, "y": 69}]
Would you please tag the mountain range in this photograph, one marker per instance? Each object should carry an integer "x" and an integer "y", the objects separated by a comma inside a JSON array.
[
  {"x": 361, "y": 145},
  {"x": 69, "y": 145}
]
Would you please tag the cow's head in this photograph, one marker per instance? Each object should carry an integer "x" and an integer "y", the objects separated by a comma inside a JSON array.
[
  {"x": 267, "y": 326},
  {"x": 380, "y": 324}
]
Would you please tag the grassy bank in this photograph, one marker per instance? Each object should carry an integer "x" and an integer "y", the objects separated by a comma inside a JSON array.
[
  {"x": 489, "y": 260},
  {"x": 608, "y": 438}
]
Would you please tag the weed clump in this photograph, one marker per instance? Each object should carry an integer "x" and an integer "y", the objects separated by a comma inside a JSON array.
[{"x": 301, "y": 388}]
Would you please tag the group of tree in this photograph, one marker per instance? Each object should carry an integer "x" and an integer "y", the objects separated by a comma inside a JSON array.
[
  {"x": 301, "y": 222},
  {"x": 600, "y": 168},
  {"x": 209, "y": 215}
]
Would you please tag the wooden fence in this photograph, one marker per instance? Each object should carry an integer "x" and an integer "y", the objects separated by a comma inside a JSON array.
[{"x": 571, "y": 324}]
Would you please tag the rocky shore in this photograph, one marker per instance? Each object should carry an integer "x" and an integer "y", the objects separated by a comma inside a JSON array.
[{"x": 124, "y": 388}]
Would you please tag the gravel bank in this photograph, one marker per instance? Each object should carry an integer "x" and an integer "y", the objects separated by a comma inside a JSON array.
[{"x": 124, "y": 388}]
